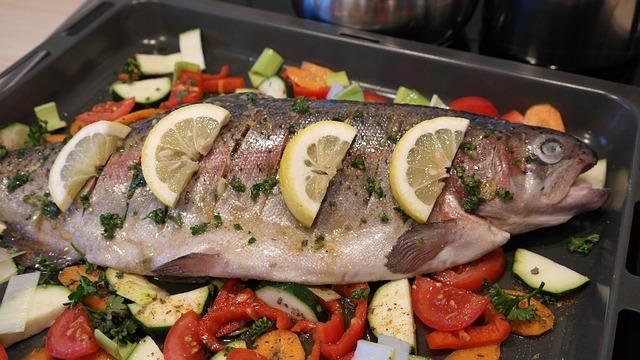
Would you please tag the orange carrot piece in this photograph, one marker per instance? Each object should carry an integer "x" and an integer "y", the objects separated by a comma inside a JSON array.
[
  {"x": 38, "y": 354},
  {"x": 318, "y": 70},
  {"x": 137, "y": 116},
  {"x": 54, "y": 138},
  {"x": 544, "y": 115},
  {"x": 489, "y": 352},
  {"x": 280, "y": 344},
  {"x": 70, "y": 277},
  {"x": 542, "y": 323},
  {"x": 75, "y": 127}
]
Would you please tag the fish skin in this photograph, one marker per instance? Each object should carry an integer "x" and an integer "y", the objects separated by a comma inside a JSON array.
[{"x": 357, "y": 245}]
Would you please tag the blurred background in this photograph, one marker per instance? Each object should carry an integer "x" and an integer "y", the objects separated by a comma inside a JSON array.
[{"x": 597, "y": 38}]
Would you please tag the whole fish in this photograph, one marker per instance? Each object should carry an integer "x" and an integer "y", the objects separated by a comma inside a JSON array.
[{"x": 506, "y": 179}]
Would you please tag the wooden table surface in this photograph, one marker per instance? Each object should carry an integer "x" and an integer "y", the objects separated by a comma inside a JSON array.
[{"x": 26, "y": 23}]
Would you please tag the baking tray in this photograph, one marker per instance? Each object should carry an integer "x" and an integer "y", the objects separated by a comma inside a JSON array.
[{"x": 75, "y": 65}]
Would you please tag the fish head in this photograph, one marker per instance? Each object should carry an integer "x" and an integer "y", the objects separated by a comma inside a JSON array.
[{"x": 540, "y": 167}]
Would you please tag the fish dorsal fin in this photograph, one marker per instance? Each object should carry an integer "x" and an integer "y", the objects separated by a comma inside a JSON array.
[
  {"x": 418, "y": 245},
  {"x": 190, "y": 265}
]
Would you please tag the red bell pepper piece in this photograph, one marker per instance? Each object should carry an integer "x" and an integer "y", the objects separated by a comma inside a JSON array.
[
  {"x": 513, "y": 116},
  {"x": 349, "y": 339},
  {"x": 223, "y": 86},
  {"x": 187, "y": 89},
  {"x": 495, "y": 331},
  {"x": 224, "y": 72},
  {"x": 374, "y": 98}
]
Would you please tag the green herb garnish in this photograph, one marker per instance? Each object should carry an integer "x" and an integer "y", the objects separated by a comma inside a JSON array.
[
  {"x": 158, "y": 216},
  {"x": 318, "y": 242},
  {"x": 304, "y": 243},
  {"x": 361, "y": 293},
  {"x": 508, "y": 305},
  {"x": 176, "y": 219},
  {"x": 338, "y": 117},
  {"x": 48, "y": 270},
  {"x": 469, "y": 149},
  {"x": 384, "y": 218},
  {"x": 530, "y": 158},
  {"x": 373, "y": 188},
  {"x": 85, "y": 200},
  {"x": 259, "y": 327},
  {"x": 358, "y": 163},
  {"x": 17, "y": 181},
  {"x": 199, "y": 229},
  {"x": 300, "y": 105},
  {"x": 3, "y": 151},
  {"x": 357, "y": 114},
  {"x": 237, "y": 227},
  {"x": 264, "y": 187},
  {"x": 504, "y": 194},
  {"x": 47, "y": 207},
  {"x": 37, "y": 134},
  {"x": 110, "y": 223},
  {"x": 583, "y": 245},
  {"x": 391, "y": 138},
  {"x": 403, "y": 215},
  {"x": 251, "y": 240},
  {"x": 237, "y": 185},
  {"x": 291, "y": 128},
  {"x": 115, "y": 321},
  {"x": 217, "y": 220},
  {"x": 137, "y": 180},
  {"x": 472, "y": 198}
]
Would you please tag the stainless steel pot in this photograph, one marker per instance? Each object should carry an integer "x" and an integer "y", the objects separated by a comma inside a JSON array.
[
  {"x": 433, "y": 21},
  {"x": 577, "y": 35}
]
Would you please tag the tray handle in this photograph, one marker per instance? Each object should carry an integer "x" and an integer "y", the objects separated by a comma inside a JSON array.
[
  {"x": 17, "y": 71},
  {"x": 86, "y": 15}
]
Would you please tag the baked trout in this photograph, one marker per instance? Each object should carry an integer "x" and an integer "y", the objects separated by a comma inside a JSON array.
[{"x": 509, "y": 179}]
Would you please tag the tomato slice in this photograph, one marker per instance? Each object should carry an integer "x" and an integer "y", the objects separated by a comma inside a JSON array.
[
  {"x": 187, "y": 89},
  {"x": 183, "y": 340},
  {"x": 471, "y": 276},
  {"x": 3, "y": 353},
  {"x": 495, "y": 331},
  {"x": 475, "y": 105},
  {"x": 71, "y": 335},
  {"x": 513, "y": 116},
  {"x": 245, "y": 354},
  {"x": 108, "y": 110},
  {"x": 374, "y": 98},
  {"x": 444, "y": 307}
]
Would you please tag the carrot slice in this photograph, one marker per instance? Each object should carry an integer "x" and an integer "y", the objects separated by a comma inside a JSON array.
[
  {"x": 305, "y": 79},
  {"x": 544, "y": 115},
  {"x": 489, "y": 352},
  {"x": 98, "y": 355},
  {"x": 318, "y": 70},
  {"x": 280, "y": 344},
  {"x": 75, "y": 127},
  {"x": 137, "y": 116},
  {"x": 537, "y": 326},
  {"x": 56, "y": 138},
  {"x": 38, "y": 354},
  {"x": 70, "y": 277}
]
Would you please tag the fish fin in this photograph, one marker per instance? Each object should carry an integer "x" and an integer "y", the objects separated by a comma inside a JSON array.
[
  {"x": 418, "y": 245},
  {"x": 190, "y": 265}
]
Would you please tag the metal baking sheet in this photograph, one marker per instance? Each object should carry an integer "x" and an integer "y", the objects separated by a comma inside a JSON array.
[{"x": 76, "y": 64}]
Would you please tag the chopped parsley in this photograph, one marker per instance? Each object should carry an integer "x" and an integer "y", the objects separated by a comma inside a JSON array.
[
  {"x": 530, "y": 158},
  {"x": 338, "y": 117},
  {"x": 158, "y": 216},
  {"x": 237, "y": 185},
  {"x": 403, "y": 215},
  {"x": 86, "y": 287},
  {"x": 264, "y": 187},
  {"x": 199, "y": 229},
  {"x": 48, "y": 269},
  {"x": 384, "y": 218},
  {"x": 47, "y": 207},
  {"x": 469, "y": 149},
  {"x": 259, "y": 327},
  {"x": 504, "y": 194},
  {"x": 85, "y": 200},
  {"x": 509, "y": 305},
  {"x": 137, "y": 180},
  {"x": 130, "y": 70},
  {"x": 361, "y": 293},
  {"x": 3, "y": 151},
  {"x": 181, "y": 94},
  {"x": 419, "y": 241},
  {"x": 176, "y": 219},
  {"x": 358, "y": 163},
  {"x": 115, "y": 321},
  {"x": 17, "y": 181},
  {"x": 237, "y": 227},
  {"x": 119, "y": 275},
  {"x": 304, "y": 243},
  {"x": 217, "y": 220},
  {"x": 300, "y": 105},
  {"x": 110, "y": 223},
  {"x": 318, "y": 242},
  {"x": 251, "y": 240},
  {"x": 37, "y": 133},
  {"x": 472, "y": 198},
  {"x": 291, "y": 129},
  {"x": 373, "y": 188},
  {"x": 391, "y": 138},
  {"x": 363, "y": 220},
  {"x": 235, "y": 148},
  {"x": 583, "y": 245},
  {"x": 357, "y": 114},
  {"x": 250, "y": 97}
]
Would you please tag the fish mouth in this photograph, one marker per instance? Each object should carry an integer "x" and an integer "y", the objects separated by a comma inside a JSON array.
[{"x": 580, "y": 195}]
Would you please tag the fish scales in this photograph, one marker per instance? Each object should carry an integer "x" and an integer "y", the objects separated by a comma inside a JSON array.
[{"x": 340, "y": 247}]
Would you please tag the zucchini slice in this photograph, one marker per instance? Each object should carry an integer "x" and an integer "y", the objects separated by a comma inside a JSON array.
[
  {"x": 155, "y": 64},
  {"x": 14, "y": 136},
  {"x": 533, "y": 269},
  {"x": 276, "y": 87},
  {"x": 134, "y": 287},
  {"x": 190, "y": 43},
  {"x": 146, "y": 350},
  {"x": 146, "y": 92},
  {"x": 294, "y": 299},
  {"x": 49, "y": 113},
  {"x": 390, "y": 312},
  {"x": 157, "y": 317},
  {"x": 222, "y": 354}
]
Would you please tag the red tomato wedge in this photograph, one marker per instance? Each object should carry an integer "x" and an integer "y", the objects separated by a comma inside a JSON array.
[
  {"x": 3, "y": 354},
  {"x": 475, "y": 105},
  {"x": 183, "y": 340},
  {"x": 444, "y": 307},
  {"x": 513, "y": 116},
  {"x": 374, "y": 98},
  {"x": 187, "y": 89},
  {"x": 471, "y": 276},
  {"x": 71, "y": 335},
  {"x": 495, "y": 331},
  {"x": 109, "y": 111},
  {"x": 245, "y": 354}
]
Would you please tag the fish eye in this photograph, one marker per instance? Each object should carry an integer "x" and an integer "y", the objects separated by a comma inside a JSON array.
[{"x": 550, "y": 151}]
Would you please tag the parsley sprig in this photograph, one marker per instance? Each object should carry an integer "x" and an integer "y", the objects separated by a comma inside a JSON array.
[{"x": 509, "y": 305}]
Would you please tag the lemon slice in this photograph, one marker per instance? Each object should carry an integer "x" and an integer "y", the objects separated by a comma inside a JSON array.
[
  {"x": 174, "y": 145},
  {"x": 419, "y": 163},
  {"x": 81, "y": 157},
  {"x": 310, "y": 160}
]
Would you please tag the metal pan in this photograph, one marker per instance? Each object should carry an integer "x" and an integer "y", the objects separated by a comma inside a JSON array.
[{"x": 75, "y": 65}]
